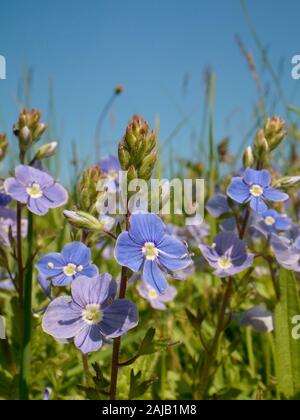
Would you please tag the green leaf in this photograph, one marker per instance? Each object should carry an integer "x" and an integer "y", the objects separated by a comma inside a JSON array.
[
  {"x": 147, "y": 345},
  {"x": 138, "y": 387},
  {"x": 100, "y": 381},
  {"x": 287, "y": 348}
]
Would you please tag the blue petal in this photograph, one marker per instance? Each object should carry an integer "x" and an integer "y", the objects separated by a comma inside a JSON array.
[
  {"x": 262, "y": 178},
  {"x": 90, "y": 271},
  {"x": 16, "y": 190},
  {"x": 110, "y": 163},
  {"x": 61, "y": 320},
  {"x": 217, "y": 205},
  {"x": 228, "y": 241},
  {"x": 238, "y": 191},
  {"x": 61, "y": 280},
  {"x": 272, "y": 194},
  {"x": 4, "y": 199},
  {"x": 38, "y": 206},
  {"x": 154, "y": 276},
  {"x": 173, "y": 254},
  {"x": 258, "y": 205},
  {"x": 89, "y": 339},
  {"x": 77, "y": 253},
  {"x": 118, "y": 318},
  {"x": 128, "y": 253},
  {"x": 146, "y": 227},
  {"x": 97, "y": 290},
  {"x": 283, "y": 223},
  {"x": 54, "y": 258},
  {"x": 45, "y": 285}
]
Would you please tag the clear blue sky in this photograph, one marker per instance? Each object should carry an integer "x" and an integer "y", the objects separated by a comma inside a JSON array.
[{"x": 149, "y": 46}]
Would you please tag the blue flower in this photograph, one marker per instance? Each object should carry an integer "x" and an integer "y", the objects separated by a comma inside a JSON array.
[
  {"x": 258, "y": 318},
  {"x": 228, "y": 255},
  {"x": 217, "y": 205},
  {"x": 147, "y": 247},
  {"x": 110, "y": 167},
  {"x": 35, "y": 188},
  {"x": 286, "y": 251},
  {"x": 254, "y": 188},
  {"x": 156, "y": 300},
  {"x": 273, "y": 221},
  {"x": 74, "y": 260},
  {"x": 4, "y": 199},
  {"x": 90, "y": 316}
]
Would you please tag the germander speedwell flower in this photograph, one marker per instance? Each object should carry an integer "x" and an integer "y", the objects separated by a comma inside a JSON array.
[
  {"x": 91, "y": 314},
  {"x": 74, "y": 260},
  {"x": 147, "y": 247},
  {"x": 254, "y": 188},
  {"x": 227, "y": 255},
  {"x": 35, "y": 188}
]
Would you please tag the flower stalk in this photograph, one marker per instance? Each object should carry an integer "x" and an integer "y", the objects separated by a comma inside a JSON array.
[{"x": 27, "y": 316}]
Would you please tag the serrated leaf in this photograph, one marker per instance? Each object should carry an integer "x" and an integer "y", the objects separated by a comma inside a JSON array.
[
  {"x": 137, "y": 387},
  {"x": 147, "y": 345},
  {"x": 287, "y": 348}
]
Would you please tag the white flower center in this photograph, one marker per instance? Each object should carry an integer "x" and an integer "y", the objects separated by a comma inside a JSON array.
[
  {"x": 70, "y": 269},
  {"x": 269, "y": 221},
  {"x": 256, "y": 190},
  {"x": 224, "y": 262},
  {"x": 150, "y": 251},
  {"x": 152, "y": 294},
  {"x": 34, "y": 191},
  {"x": 92, "y": 314}
]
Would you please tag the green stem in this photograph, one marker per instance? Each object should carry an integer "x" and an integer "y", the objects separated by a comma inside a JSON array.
[
  {"x": 213, "y": 350},
  {"x": 19, "y": 253},
  {"x": 117, "y": 341},
  {"x": 27, "y": 316}
]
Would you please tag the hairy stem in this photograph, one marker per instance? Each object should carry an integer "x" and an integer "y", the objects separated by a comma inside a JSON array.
[
  {"x": 19, "y": 252},
  {"x": 117, "y": 341},
  {"x": 27, "y": 316}
]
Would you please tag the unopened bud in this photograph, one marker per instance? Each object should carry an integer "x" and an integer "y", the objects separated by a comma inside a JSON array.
[
  {"x": 87, "y": 187},
  {"x": 136, "y": 147},
  {"x": 29, "y": 128},
  {"x": 46, "y": 151},
  {"x": 147, "y": 167},
  {"x": 83, "y": 220},
  {"x": 248, "y": 158},
  {"x": 119, "y": 89},
  {"x": 39, "y": 131},
  {"x": 274, "y": 131},
  {"x": 261, "y": 147},
  {"x": 287, "y": 182},
  {"x": 124, "y": 157}
]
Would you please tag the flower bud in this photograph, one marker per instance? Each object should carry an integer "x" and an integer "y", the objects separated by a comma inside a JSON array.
[
  {"x": 83, "y": 220},
  {"x": 119, "y": 89},
  {"x": 46, "y": 151},
  {"x": 124, "y": 157},
  {"x": 261, "y": 147},
  {"x": 147, "y": 167},
  {"x": 274, "y": 131},
  {"x": 136, "y": 148},
  {"x": 286, "y": 182},
  {"x": 29, "y": 128},
  {"x": 3, "y": 146},
  {"x": 87, "y": 187},
  {"x": 248, "y": 158}
]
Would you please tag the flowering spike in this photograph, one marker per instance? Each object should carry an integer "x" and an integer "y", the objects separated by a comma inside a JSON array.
[{"x": 136, "y": 149}]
